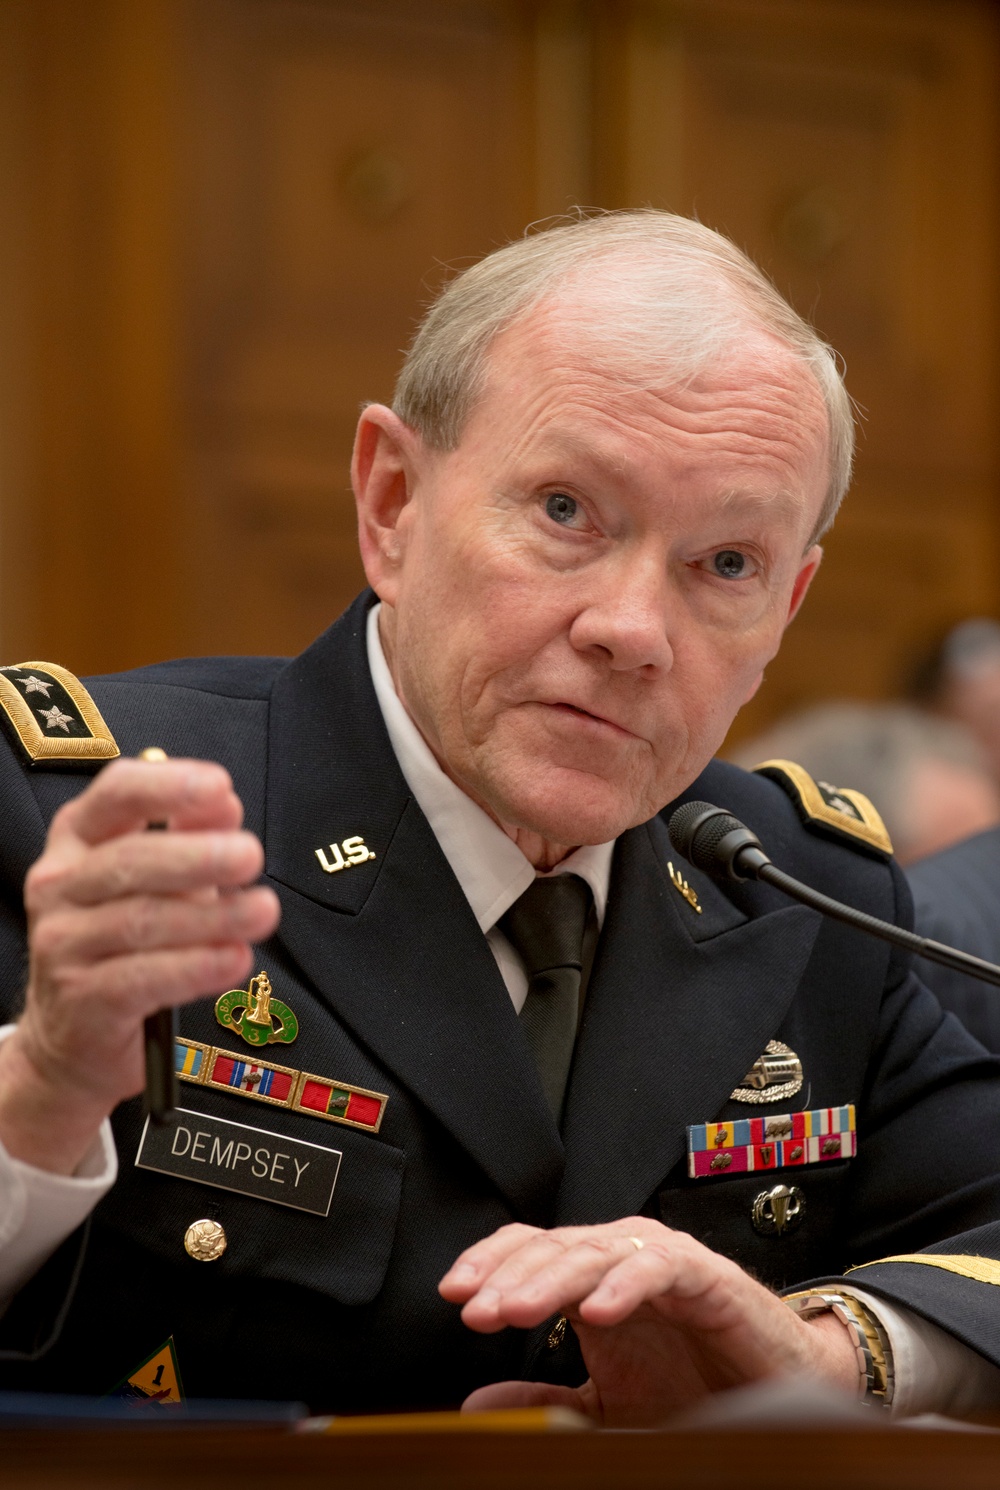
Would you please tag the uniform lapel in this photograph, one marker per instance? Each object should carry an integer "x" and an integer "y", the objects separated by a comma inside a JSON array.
[
  {"x": 391, "y": 942},
  {"x": 679, "y": 1006}
]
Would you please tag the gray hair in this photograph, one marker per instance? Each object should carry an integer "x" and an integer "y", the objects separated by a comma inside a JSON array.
[{"x": 689, "y": 303}]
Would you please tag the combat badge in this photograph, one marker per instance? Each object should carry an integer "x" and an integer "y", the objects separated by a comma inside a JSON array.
[
  {"x": 251, "y": 1014},
  {"x": 774, "y": 1076},
  {"x": 155, "y": 1382},
  {"x": 52, "y": 716},
  {"x": 832, "y": 810}
]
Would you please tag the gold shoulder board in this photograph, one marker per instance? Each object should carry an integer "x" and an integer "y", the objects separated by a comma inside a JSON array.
[
  {"x": 52, "y": 716},
  {"x": 830, "y": 809}
]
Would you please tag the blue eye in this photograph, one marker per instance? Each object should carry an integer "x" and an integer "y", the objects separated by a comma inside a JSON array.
[
  {"x": 560, "y": 507},
  {"x": 730, "y": 563}
]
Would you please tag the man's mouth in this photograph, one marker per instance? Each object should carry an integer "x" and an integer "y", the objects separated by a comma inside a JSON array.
[{"x": 575, "y": 711}]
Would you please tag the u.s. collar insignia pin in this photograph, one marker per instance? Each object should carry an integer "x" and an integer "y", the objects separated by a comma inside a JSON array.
[
  {"x": 682, "y": 887},
  {"x": 344, "y": 855},
  {"x": 251, "y": 1014}
]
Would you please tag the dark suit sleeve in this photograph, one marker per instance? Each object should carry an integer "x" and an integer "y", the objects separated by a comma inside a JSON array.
[
  {"x": 928, "y": 1167},
  {"x": 957, "y": 901},
  {"x": 21, "y": 841},
  {"x": 35, "y": 1317}
]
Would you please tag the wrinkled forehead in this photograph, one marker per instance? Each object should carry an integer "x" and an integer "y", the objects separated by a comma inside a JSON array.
[
  {"x": 629, "y": 346},
  {"x": 569, "y": 381}
]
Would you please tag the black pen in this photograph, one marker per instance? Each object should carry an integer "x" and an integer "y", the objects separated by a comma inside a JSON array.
[{"x": 160, "y": 1029}]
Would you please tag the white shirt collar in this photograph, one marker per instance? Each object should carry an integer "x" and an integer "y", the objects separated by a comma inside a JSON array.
[{"x": 488, "y": 865}]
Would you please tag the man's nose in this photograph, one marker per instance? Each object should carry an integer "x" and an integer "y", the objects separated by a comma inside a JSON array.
[{"x": 626, "y": 616}]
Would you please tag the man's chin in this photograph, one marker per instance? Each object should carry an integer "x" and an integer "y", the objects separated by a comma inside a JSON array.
[{"x": 569, "y": 807}]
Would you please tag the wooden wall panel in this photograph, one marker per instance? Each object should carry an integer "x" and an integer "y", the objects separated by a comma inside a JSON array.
[
  {"x": 851, "y": 148},
  {"x": 233, "y": 210},
  {"x": 368, "y": 146},
  {"x": 90, "y": 525}
]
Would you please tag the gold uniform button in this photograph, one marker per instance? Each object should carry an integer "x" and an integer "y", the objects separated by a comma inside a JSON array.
[{"x": 205, "y": 1241}]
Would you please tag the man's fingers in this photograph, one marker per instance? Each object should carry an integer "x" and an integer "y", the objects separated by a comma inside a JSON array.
[
  {"x": 145, "y": 863},
  {"x": 139, "y": 984},
  {"x": 476, "y": 1263},
  {"x": 540, "y": 1279},
  {"x": 524, "y": 1394},
  {"x": 142, "y": 923},
  {"x": 636, "y": 1280},
  {"x": 129, "y": 794}
]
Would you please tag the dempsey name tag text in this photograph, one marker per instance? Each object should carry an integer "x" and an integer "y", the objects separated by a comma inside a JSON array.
[{"x": 251, "y": 1161}]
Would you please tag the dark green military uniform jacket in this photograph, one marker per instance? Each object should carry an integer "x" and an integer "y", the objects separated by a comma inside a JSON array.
[{"x": 396, "y": 992}]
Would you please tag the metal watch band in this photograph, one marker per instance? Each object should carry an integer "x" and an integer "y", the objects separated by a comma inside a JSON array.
[{"x": 871, "y": 1345}]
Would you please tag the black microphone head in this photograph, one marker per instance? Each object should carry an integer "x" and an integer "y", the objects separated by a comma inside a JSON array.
[{"x": 710, "y": 838}]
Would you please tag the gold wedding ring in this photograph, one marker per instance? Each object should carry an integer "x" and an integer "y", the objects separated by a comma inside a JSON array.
[{"x": 637, "y": 1242}]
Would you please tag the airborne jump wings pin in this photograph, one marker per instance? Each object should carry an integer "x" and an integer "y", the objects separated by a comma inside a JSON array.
[{"x": 52, "y": 716}]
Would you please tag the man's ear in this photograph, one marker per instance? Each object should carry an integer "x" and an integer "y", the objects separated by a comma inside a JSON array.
[
  {"x": 810, "y": 563},
  {"x": 383, "y": 475}
]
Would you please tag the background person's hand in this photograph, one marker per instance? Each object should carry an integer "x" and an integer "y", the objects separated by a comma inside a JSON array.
[
  {"x": 660, "y": 1328},
  {"x": 122, "y": 922}
]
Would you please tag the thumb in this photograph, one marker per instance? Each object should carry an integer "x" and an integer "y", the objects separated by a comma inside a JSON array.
[{"x": 529, "y": 1394}]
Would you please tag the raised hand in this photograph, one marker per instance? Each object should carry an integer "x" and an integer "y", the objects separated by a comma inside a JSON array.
[
  {"x": 122, "y": 922},
  {"x": 662, "y": 1321}
]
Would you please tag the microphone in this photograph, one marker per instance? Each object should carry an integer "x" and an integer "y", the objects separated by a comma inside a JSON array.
[{"x": 714, "y": 841}]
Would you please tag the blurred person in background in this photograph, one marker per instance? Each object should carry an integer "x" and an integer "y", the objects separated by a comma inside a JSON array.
[
  {"x": 956, "y": 899},
  {"x": 929, "y": 779},
  {"x": 960, "y": 678}
]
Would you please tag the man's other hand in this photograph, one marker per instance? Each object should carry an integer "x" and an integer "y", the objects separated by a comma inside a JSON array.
[
  {"x": 122, "y": 922},
  {"x": 660, "y": 1326}
]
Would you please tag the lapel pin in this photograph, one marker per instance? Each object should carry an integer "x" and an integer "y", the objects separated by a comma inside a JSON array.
[
  {"x": 344, "y": 855},
  {"x": 682, "y": 887},
  {"x": 251, "y": 1014}
]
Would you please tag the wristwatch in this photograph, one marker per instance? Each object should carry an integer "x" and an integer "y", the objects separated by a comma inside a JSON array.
[{"x": 871, "y": 1344}]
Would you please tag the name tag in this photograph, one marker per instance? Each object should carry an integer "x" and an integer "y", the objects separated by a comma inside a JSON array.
[{"x": 251, "y": 1161}]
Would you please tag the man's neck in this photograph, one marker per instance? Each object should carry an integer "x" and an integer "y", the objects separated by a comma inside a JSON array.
[{"x": 539, "y": 851}]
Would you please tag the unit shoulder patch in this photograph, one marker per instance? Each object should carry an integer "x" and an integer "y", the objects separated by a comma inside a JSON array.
[
  {"x": 833, "y": 810},
  {"x": 52, "y": 717}
]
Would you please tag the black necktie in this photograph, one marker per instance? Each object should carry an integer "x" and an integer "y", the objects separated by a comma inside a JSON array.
[{"x": 546, "y": 928}]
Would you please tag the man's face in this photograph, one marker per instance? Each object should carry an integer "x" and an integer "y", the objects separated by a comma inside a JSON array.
[{"x": 579, "y": 598}]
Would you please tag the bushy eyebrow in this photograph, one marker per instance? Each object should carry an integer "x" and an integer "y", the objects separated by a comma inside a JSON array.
[{"x": 779, "y": 501}]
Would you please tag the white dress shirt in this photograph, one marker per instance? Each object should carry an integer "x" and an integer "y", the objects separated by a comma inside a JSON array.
[{"x": 38, "y": 1210}]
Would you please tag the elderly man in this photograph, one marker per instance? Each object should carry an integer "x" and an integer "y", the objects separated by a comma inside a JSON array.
[{"x": 500, "y": 1049}]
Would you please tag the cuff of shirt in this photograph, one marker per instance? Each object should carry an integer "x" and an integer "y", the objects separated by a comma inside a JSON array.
[
  {"x": 934, "y": 1372},
  {"x": 39, "y": 1210}
]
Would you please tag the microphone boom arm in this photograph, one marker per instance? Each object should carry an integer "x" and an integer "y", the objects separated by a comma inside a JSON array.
[
  {"x": 714, "y": 841},
  {"x": 962, "y": 962}
]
